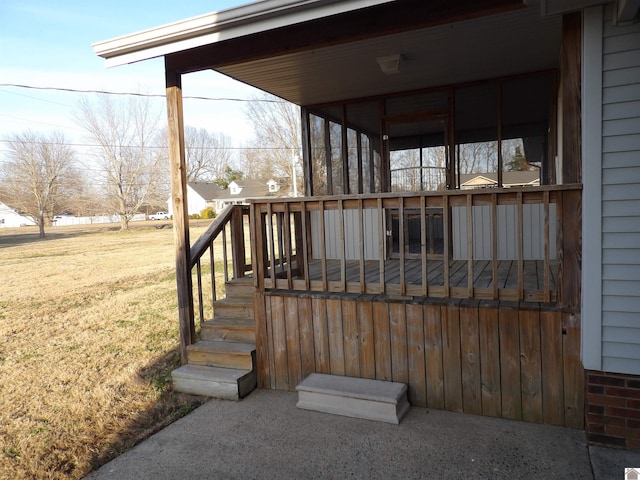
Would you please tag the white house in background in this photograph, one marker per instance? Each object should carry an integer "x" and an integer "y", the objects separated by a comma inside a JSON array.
[
  {"x": 525, "y": 178},
  {"x": 201, "y": 195},
  {"x": 9, "y": 217}
]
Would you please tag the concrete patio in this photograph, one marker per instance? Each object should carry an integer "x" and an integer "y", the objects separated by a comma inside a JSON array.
[{"x": 266, "y": 436}]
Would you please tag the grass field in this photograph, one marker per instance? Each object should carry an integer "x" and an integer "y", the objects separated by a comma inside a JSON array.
[{"x": 88, "y": 338}]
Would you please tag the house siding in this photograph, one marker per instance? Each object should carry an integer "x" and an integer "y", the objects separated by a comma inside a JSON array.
[
  {"x": 620, "y": 197},
  {"x": 533, "y": 232},
  {"x": 333, "y": 249}
]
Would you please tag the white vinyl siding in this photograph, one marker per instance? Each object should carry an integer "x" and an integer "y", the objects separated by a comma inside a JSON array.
[
  {"x": 620, "y": 197},
  {"x": 333, "y": 249},
  {"x": 532, "y": 238}
]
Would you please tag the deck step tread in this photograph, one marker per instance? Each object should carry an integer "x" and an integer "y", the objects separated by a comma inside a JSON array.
[
  {"x": 233, "y": 301},
  {"x": 221, "y": 346},
  {"x": 218, "y": 374},
  {"x": 246, "y": 280},
  {"x": 231, "y": 322},
  {"x": 354, "y": 397}
]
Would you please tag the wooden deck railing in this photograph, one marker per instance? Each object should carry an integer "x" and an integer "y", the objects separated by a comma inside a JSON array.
[
  {"x": 500, "y": 244},
  {"x": 221, "y": 248}
]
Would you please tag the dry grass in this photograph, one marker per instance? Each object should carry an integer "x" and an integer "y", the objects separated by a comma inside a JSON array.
[{"x": 88, "y": 338}]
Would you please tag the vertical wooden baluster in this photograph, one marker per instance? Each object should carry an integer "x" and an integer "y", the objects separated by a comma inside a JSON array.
[
  {"x": 382, "y": 234},
  {"x": 494, "y": 245},
  {"x": 446, "y": 226},
  {"x": 225, "y": 259},
  {"x": 323, "y": 247},
  {"x": 401, "y": 245},
  {"x": 547, "y": 288},
  {"x": 520, "y": 247},
  {"x": 343, "y": 260},
  {"x": 423, "y": 244},
  {"x": 286, "y": 241},
  {"x": 469, "y": 246},
  {"x": 279, "y": 227},
  {"x": 256, "y": 247},
  {"x": 363, "y": 287},
  {"x": 272, "y": 259},
  {"x": 214, "y": 295},
  {"x": 199, "y": 279},
  {"x": 305, "y": 246}
]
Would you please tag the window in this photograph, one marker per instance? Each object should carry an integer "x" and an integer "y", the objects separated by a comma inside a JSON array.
[{"x": 495, "y": 133}]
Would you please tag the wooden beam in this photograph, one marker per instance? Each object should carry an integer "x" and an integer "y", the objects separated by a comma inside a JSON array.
[
  {"x": 177, "y": 162},
  {"x": 238, "y": 251},
  {"x": 307, "y": 169},
  {"x": 570, "y": 83}
]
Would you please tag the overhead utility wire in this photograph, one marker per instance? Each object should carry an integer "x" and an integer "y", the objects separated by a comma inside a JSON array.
[{"x": 135, "y": 94}]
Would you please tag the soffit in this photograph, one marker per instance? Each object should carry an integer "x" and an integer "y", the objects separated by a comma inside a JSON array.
[{"x": 502, "y": 44}]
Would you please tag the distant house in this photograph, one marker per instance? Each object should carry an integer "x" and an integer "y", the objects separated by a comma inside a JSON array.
[
  {"x": 527, "y": 178},
  {"x": 9, "y": 217},
  {"x": 201, "y": 195}
]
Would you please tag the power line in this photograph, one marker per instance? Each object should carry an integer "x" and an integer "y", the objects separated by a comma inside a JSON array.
[{"x": 138, "y": 94}]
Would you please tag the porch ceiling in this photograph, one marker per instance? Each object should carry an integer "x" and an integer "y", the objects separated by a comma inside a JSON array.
[{"x": 498, "y": 45}]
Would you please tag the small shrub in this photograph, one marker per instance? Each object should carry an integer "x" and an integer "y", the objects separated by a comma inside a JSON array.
[
  {"x": 194, "y": 216},
  {"x": 208, "y": 212}
]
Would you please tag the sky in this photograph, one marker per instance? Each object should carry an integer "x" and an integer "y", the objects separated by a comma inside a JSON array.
[{"x": 48, "y": 44}]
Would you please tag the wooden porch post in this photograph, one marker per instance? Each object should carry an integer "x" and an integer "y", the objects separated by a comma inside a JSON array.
[
  {"x": 237, "y": 242},
  {"x": 306, "y": 152},
  {"x": 570, "y": 83},
  {"x": 175, "y": 130},
  {"x": 570, "y": 255}
]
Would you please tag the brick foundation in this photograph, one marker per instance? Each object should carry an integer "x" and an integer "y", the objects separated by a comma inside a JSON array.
[{"x": 613, "y": 409}]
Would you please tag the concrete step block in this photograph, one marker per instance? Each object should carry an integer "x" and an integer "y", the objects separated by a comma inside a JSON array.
[{"x": 354, "y": 397}]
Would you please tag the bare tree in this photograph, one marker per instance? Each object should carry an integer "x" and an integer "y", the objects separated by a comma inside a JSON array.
[
  {"x": 132, "y": 166},
  {"x": 481, "y": 157},
  {"x": 207, "y": 154},
  {"x": 36, "y": 173},
  {"x": 275, "y": 150}
]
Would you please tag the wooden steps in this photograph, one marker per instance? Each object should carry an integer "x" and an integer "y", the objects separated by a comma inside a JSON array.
[
  {"x": 354, "y": 397},
  {"x": 240, "y": 330},
  {"x": 222, "y": 354},
  {"x": 222, "y": 363},
  {"x": 233, "y": 308}
]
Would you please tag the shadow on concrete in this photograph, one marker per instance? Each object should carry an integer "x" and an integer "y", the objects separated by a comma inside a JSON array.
[{"x": 169, "y": 407}]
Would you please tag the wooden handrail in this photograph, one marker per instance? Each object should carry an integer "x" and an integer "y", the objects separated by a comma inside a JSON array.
[
  {"x": 201, "y": 245},
  {"x": 231, "y": 219}
]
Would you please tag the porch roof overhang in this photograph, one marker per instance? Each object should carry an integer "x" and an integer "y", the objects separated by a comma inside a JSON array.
[{"x": 318, "y": 51}]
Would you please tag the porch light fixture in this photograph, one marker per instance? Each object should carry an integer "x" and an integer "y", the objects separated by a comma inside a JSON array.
[{"x": 390, "y": 64}]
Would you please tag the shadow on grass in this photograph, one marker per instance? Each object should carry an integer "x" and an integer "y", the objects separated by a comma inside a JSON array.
[
  {"x": 169, "y": 407},
  {"x": 26, "y": 235}
]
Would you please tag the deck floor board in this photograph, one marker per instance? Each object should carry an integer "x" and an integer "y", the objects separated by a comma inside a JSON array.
[{"x": 458, "y": 272}]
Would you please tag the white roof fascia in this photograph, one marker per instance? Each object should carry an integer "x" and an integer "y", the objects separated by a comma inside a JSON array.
[{"x": 218, "y": 26}]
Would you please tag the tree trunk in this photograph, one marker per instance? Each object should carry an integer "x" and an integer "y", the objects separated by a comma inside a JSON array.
[
  {"x": 124, "y": 218},
  {"x": 41, "y": 226}
]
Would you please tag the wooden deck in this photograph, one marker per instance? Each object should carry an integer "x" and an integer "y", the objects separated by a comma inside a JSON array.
[
  {"x": 458, "y": 273},
  {"x": 511, "y": 360},
  {"x": 368, "y": 279}
]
